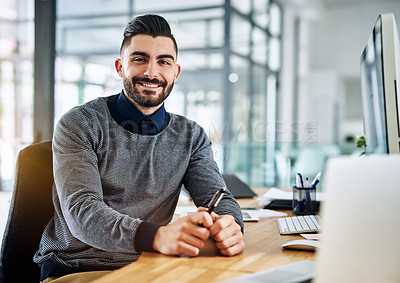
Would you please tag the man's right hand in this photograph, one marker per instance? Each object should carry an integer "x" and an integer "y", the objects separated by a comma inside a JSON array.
[{"x": 184, "y": 236}]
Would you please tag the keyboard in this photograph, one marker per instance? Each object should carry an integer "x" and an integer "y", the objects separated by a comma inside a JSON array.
[{"x": 299, "y": 224}]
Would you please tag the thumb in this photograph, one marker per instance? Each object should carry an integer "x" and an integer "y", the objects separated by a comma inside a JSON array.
[{"x": 200, "y": 209}]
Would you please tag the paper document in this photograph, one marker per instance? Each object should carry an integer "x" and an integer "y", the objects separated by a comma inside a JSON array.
[
  {"x": 185, "y": 210},
  {"x": 269, "y": 213},
  {"x": 259, "y": 212},
  {"x": 311, "y": 236},
  {"x": 275, "y": 194}
]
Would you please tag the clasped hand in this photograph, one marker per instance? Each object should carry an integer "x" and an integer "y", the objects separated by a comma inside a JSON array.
[{"x": 188, "y": 234}]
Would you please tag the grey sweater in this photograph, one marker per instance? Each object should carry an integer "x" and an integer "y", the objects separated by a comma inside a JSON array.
[{"x": 108, "y": 181}]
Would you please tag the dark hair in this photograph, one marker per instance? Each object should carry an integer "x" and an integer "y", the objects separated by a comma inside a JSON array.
[{"x": 149, "y": 24}]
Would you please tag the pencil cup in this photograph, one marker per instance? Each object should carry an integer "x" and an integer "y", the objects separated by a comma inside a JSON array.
[{"x": 304, "y": 201}]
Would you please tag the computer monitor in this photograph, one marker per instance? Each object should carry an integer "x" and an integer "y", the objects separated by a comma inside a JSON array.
[{"x": 380, "y": 79}]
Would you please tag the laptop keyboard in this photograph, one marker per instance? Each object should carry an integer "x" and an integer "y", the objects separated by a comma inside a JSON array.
[{"x": 299, "y": 224}]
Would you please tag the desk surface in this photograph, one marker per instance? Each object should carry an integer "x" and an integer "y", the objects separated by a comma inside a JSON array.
[{"x": 262, "y": 251}]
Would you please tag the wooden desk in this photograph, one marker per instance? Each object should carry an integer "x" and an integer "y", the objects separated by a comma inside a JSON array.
[{"x": 263, "y": 250}]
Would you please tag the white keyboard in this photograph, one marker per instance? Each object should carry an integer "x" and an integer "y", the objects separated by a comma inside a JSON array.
[{"x": 299, "y": 224}]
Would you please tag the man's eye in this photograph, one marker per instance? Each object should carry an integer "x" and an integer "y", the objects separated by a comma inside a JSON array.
[
  {"x": 165, "y": 62},
  {"x": 138, "y": 60}
]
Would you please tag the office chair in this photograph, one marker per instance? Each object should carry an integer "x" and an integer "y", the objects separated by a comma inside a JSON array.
[{"x": 30, "y": 210}]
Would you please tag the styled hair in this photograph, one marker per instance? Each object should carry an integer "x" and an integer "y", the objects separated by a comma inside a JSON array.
[{"x": 150, "y": 24}]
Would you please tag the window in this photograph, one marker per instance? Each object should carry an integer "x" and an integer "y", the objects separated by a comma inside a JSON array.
[
  {"x": 224, "y": 86},
  {"x": 16, "y": 84}
]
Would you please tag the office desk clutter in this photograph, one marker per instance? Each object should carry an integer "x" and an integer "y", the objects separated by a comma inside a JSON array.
[
  {"x": 276, "y": 198},
  {"x": 250, "y": 214}
]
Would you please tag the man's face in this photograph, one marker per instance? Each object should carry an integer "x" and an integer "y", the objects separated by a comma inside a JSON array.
[{"x": 149, "y": 70}]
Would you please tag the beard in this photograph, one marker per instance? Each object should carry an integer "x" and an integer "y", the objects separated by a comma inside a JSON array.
[{"x": 145, "y": 98}]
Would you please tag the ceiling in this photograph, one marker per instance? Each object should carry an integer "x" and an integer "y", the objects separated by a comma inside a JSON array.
[
  {"x": 334, "y": 3},
  {"x": 331, "y": 3}
]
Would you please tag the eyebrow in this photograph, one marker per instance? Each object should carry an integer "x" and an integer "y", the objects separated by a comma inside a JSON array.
[{"x": 146, "y": 55}]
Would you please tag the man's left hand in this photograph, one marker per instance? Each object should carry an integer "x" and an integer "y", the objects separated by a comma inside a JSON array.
[{"x": 227, "y": 233}]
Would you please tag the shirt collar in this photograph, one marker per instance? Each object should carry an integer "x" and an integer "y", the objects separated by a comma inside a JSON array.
[{"x": 130, "y": 112}]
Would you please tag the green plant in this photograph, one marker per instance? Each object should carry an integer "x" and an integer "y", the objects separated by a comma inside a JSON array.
[{"x": 361, "y": 143}]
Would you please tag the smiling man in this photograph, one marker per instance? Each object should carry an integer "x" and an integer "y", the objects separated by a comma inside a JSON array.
[
  {"x": 119, "y": 165},
  {"x": 148, "y": 70}
]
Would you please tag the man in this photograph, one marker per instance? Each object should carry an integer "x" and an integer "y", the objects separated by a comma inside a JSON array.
[{"x": 119, "y": 164}]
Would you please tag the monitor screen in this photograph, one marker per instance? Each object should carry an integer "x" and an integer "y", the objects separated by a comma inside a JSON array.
[{"x": 380, "y": 74}]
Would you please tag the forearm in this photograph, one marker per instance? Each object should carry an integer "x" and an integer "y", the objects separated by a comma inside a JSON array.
[
  {"x": 97, "y": 225},
  {"x": 203, "y": 179}
]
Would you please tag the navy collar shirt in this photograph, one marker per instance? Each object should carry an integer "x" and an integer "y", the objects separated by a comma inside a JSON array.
[{"x": 132, "y": 119}]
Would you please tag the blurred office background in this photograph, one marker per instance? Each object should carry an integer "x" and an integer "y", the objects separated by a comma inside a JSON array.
[{"x": 276, "y": 84}]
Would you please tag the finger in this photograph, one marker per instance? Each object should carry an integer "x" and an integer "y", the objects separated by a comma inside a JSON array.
[
  {"x": 224, "y": 227},
  {"x": 233, "y": 250},
  {"x": 185, "y": 248},
  {"x": 203, "y": 218},
  {"x": 192, "y": 240},
  {"x": 200, "y": 209},
  {"x": 191, "y": 227},
  {"x": 197, "y": 231},
  {"x": 225, "y": 233},
  {"x": 214, "y": 216},
  {"x": 229, "y": 242}
]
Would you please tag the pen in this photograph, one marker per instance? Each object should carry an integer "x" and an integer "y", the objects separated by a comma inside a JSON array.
[
  {"x": 216, "y": 199},
  {"x": 300, "y": 180},
  {"x": 316, "y": 180},
  {"x": 315, "y": 183},
  {"x": 308, "y": 197}
]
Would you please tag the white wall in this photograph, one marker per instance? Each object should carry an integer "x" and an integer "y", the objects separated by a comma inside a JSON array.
[
  {"x": 332, "y": 38},
  {"x": 339, "y": 36}
]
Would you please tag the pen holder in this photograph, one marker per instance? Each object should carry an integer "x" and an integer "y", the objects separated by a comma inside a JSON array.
[{"x": 304, "y": 201}]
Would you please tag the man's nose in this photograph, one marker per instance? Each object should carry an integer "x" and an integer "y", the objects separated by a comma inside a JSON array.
[{"x": 151, "y": 70}]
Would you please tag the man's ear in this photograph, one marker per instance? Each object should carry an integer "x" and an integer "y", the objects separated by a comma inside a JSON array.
[
  {"x": 118, "y": 67},
  {"x": 177, "y": 72}
]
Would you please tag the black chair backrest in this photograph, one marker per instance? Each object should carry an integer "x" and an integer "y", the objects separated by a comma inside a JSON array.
[{"x": 30, "y": 210}]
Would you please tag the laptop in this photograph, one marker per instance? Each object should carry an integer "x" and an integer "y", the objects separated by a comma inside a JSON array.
[
  {"x": 360, "y": 226},
  {"x": 361, "y": 221},
  {"x": 237, "y": 187}
]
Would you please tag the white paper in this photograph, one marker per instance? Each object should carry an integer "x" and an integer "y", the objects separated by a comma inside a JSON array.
[
  {"x": 270, "y": 213},
  {"x": 185, "y": 210},
  {"x": 274, "y": 194}
]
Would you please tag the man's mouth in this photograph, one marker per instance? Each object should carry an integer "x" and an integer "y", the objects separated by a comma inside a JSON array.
[{"x": 149, "y": 85}]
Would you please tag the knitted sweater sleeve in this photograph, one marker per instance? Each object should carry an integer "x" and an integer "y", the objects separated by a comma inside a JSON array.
[
  {"x": 79, "y": 188},
  {"x": 203, "y": 179}
]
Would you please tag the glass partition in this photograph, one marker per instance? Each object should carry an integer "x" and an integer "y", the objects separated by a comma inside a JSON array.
[
  {"x": 223, "y": 85},
  {"x": 240, "y": 35},
  {"x": 209, "y": 88}
]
